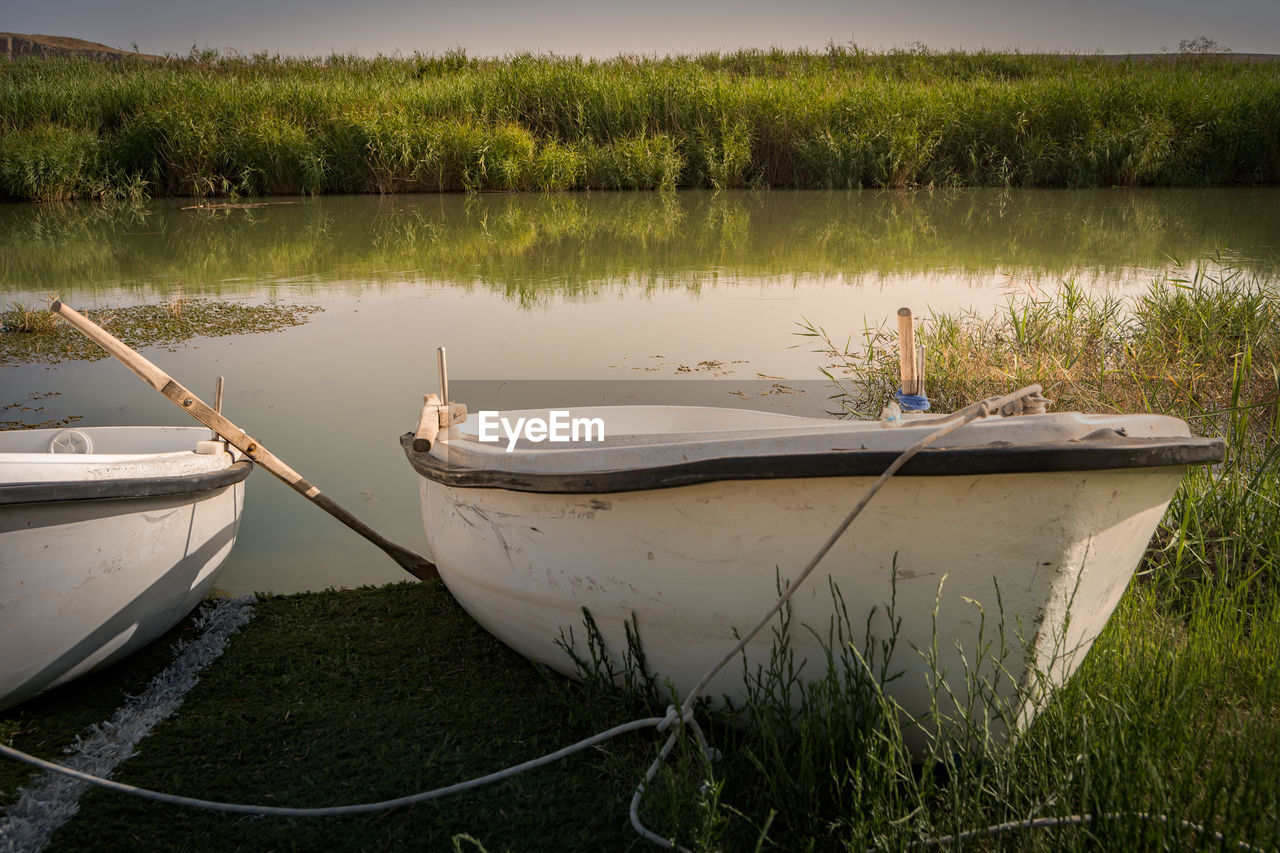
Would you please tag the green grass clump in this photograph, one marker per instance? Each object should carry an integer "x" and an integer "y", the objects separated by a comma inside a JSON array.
[
  {"x": 49, "y": 163},
  {"x": 1200, "y": 347},
  {"x": 20, "y": 319},
  {"x": 1164, "y": 737},
  {"x": 839, "y": 119}
]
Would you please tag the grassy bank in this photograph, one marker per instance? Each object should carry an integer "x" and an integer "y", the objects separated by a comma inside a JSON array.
[
  {"x": 840, "y": 118},
  {"x": 1166, "y": 735}
]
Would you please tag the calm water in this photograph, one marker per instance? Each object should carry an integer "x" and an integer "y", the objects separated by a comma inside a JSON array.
[{"x": 603, "y": 287}]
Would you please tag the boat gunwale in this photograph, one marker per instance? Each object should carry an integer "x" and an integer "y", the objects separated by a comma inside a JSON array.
[
  {"x": 17, "y": 494},
  {"x": 1090, "y": 453}
]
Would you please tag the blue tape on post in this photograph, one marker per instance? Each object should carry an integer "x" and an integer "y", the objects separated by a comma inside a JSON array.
[{"x": 911, "y": 402}]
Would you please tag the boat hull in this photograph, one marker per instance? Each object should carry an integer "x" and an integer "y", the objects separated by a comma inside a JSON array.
[
  {"x": 957, "y": 558},
  {"x": 990, "y": 562},
  {"x": 86, "y": 580}
]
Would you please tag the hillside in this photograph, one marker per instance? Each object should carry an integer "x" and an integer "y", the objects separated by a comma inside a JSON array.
[{"x": 20, "y": 46}]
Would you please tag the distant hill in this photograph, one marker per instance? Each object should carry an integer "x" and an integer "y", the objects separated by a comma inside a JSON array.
[{"x": 20, "y": 46}]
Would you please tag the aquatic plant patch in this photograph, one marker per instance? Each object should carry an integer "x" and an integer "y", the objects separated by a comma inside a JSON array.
[{"x": 23, "y": 340}]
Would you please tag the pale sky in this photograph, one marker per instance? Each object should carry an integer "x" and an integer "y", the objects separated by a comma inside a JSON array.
[{"x": 606, "y": 28}]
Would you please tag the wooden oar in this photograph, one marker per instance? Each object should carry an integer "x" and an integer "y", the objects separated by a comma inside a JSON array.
[{"x": 415, "y": 565}]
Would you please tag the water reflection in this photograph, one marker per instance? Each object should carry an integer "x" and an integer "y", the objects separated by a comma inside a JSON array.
[{"x": 526, "y": 247}]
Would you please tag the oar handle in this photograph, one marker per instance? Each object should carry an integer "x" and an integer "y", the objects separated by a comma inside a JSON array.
[{"x": 238, "y": 438}]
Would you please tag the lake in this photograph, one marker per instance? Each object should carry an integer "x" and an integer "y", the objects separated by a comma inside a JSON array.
[{"x": 592, "y": 297}]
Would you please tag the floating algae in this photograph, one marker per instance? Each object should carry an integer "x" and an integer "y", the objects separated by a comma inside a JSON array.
[{"x": 26, "y": 337}]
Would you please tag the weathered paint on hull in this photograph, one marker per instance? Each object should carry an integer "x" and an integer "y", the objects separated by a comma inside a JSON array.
[
  {"x": 85, "y": 582},
  {"x": 113, "y": 576},
  {"x": 695, "y": 563}
]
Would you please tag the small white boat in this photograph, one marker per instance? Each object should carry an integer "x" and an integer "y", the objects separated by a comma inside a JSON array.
[
  {"x": 686, "y": 517},
  {"x": 108, "y": 537}
]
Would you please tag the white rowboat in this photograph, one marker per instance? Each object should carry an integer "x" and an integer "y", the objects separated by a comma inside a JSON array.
[
  {"x": 686, "y": 518},
  {"x": 108, "y": 537}
]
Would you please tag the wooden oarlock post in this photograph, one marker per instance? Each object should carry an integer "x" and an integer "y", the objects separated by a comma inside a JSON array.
[
  {"x": 437, "y": 412},
  {"x": 444, "y": 376},
  {"x": 920, "y": 370},
  {"x": 414, "y": 564},
  {"x": 907, "y": 353}
]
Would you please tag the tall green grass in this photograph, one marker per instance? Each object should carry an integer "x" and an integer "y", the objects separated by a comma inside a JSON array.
[{"x": 834, "y": 119}]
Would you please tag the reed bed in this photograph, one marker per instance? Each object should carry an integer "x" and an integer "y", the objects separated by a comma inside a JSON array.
[{"x": 211, "y": 126}]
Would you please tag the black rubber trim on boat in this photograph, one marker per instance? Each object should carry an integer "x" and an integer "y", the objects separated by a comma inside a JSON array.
[
  {"x": 1095, "y": 452},
  {"x": 142, "y": 487}
]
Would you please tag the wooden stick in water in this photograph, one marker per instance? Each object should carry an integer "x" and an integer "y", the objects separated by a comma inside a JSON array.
[
  {"x": 907, "y": 352},
  {"x": 415, "y": 565}
]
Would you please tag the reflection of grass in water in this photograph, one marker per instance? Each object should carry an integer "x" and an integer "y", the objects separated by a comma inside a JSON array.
[
  {"x": 528, "y": 248},
  {"x": 34, "y": 335}
]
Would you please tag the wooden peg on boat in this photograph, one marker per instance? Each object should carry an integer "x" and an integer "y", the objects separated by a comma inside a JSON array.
[
  {"x": 428, "y": 424},
  {"x": 907, "y": 352},
  {"x": 444, "y": 376},
  {"x": 920, "y": 370},
  {"x": 436, "y": 415}
]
